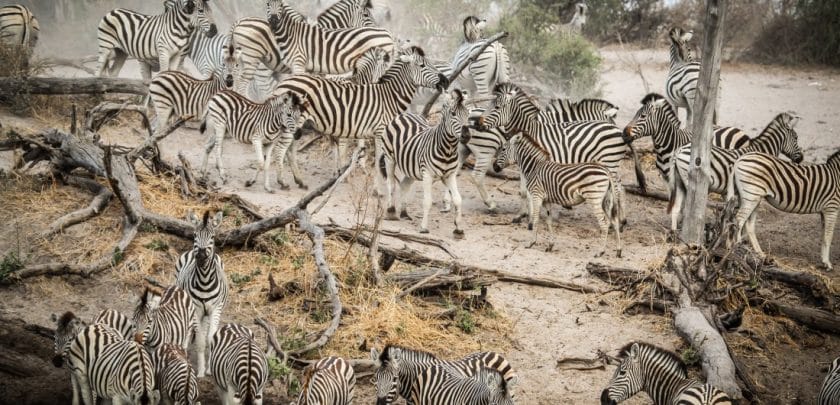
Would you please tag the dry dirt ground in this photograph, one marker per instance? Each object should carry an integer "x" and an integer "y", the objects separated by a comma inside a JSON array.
[{"x": 550, "y": 324}]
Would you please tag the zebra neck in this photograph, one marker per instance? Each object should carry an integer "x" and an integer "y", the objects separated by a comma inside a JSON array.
[
  {"x": 768, "y": 142},
  {"x": 399, "y": 85},
  {"x": 677, "y": 59},
  {"x": 528, "y": 157},
  {"x": 442, "y": 132},
  {"x": 668, "y": 135}
]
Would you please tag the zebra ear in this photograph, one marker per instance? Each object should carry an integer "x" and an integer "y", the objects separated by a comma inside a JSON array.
[
  {"x": 687, "y": 36},
  {"x": 634, "y": 351},
  {"x": 794, "y": 120},
  {"x": 611, "y": 112},
  {"x": 405, "y": 58},
  {"x": 193, "y": 219},
  {"x": 217, "y": 220},
  {"x": 658, "y": 103}
]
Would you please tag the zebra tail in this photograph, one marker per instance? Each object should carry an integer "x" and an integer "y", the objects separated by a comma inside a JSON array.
[
  {"x": 382, "y": 170},
  {"x": 731, "y": 190},
  {"x": 674, "y": 180},
  {"x": 637, "y": 166},
  {"x": 203, "y": 127}
]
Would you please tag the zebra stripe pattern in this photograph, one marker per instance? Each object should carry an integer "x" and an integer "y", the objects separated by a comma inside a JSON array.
[
  {"x": 103, "y": 364},
  {"x": 347, "y": 14},
  {"x": 329, "y": 381},
  {"x": 373, "y": 106},
  {"x": 492, "y": 66},
  {"x": 155, "y": 41},
  {"x": 271, "y": 123},
  {"x": 169, "y": 320},
  {"x": 439, "y": 385},
  {"x": 778, "y": 137},
  {"x": 662, "y": 375},
  {"x": 174, "y": 375},
  {"x": 681, "y": 83},
  {"x": 563, "y": 184},
  {"x": 830, "y": 390},
  {"x": 398, "y": 369},
  {"x": 201, "y": 274},
  {"x": 67, "y": 327},
  {"x": 116, "y": 320},
  {"x": 238, "y": 365},
  {"x": 19, "y": 27},
  {"x": 789, "y": 187},
  {"x": 415, "y": 150}
]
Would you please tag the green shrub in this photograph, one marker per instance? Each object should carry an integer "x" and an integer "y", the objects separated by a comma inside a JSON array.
[
  {"x": 465, "y": 321},
  {"x": 11, "y": 263},
  {"x": 690, "y": 356},
  {"x": 158, "y": 245}
]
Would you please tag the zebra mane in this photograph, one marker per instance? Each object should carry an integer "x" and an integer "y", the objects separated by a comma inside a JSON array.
[
  {"x": 384, "y": 357},
  {"x": 205, "y": 218},
  {"x": 533, "y": 143},
  {"x": 625, "y": 351},
  {"x": 835, "y": 155},
  {"x": 651, "y": 97},
  {"x": 308, "y": 373}
]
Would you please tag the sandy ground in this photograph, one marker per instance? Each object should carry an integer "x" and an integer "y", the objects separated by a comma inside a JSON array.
[{"x": 551, "y": 324}]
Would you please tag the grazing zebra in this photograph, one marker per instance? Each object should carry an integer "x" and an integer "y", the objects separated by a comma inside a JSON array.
[
  {"x": 574, "y": 142},
  {"x": 347, "y": 14},
  {"x": 658, "y": 119},
  {"x": 662, "y": 375},
  {"x": 563, "y": 184},
  {"x": 174, "y": 375},
  {"x": 238, "y": 365},
  {"x": 397, "y": 368},
  {"x": 171, "y": 320},
  {"x": 492, "y": 66},
  {"x": 778, "y": 137},
  {"x": 19, "y": 27},
  {"x": 366, "y": 109},
  {"x": 330, "y": 381},
  {"x": 201, "y": 274},
  {"x": 118, "y": 321},
  {"x": 440, "y": 385},
  {"x": 790, "y": 187},
  {"x": 158, "y": 40},
  {"x": 105, "y": 365},
  {"x": 830, "y": 391},
  {"x": 418, "y": 151},
  {"x": 271, "y": 123},
  {"x": 681, "y": 84}
]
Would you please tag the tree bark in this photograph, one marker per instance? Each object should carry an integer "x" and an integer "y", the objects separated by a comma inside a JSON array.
[
  {"x": 11, "y": 87},
  {"x": 694, "y": 213},
  {"x": 813, "y": 318},
  {"x": 718, "y": 367}
]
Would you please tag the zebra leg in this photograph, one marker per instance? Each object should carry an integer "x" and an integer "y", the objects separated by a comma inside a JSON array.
[
  {"x": 220, "y": 135},
  {"x": 428, "y": 181},
  {"x": 751, "y": 233},
  {"x": 77, "y": 388},
  {"x": 280, "y": 148},
  {"x": 85, "y": 390},
  {"x": 535, "y": 203},
  {"x": 482, "y": 163},
  {"x": 146, "y": 71},
  {"x": 291, "y": 154},
  {"x": 390, "y": 186},
  {"x": 549, "y": 222},
  {"x": 828, "y": 219},
  {"x": 452, "y": 184},
  {"x": 209, "y": 144},
  {"x": 405, "y": 190},
  {"x": 676, "y": 205},
  {"x": 269, "y": 157},
  {"x": 523, "y": 202},
  {"x": 213, "y": 326},
  {"x": 256, "y": 141},
  {"x": 602, "y": 217},
  {"x": 340, "y": 151},
  {"x": 105, "y": 55}
]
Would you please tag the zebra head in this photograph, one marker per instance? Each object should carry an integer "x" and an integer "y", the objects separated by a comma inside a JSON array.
[
  {"x": 205, "y": 230},
  {"x": 653, "y": 115},
  {"x": 202, "y": 18},
  {"x": 386, "y": 377},
  {"x": 371, "y": 66},
  {"x": 67, "y": 327},
  {"x": 679, "y": 43},
  {"x": 232, "y": 66},
  {"x": 275, "y": 9},
  {"x": 289, "y": 108},
  {"x": 790, "y": 140},
  {"x": 497, "y": 388},
  {"x": 473, "y": 27},
  {"x": 145, "y": 313},
  {"x": 456, "y": 114},
  {"x": 510, "y": 109},
  {"x": 421, "y": 72},
  {"x": 505, "y": 156},
  {"x": 356, "y": 13},
  {"x": 627, "y": 380}
]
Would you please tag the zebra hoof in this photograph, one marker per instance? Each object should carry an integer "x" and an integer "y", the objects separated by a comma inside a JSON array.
[
  {"x": 618, "y": 253},
  {"x": 672, "y": 237},
  {"x": 622, "y": 225},
  {"x": 826, "y": 266},
  {"x": 269, "y": 190},
  {"x": 249, "y": 183},
  {"x": 284, "y": 186},
  {"x": 458, "y": 234},
  {"x": 404, "y": 215},
  {"x": 391, "y": 214},
  {"x": 302, "y": 186},
  {"x": 530, "y": 227},
  {"x": 599, "y": 254},
  {"x": 446, "y": 209},
  {"x": 424, "y": 230}
]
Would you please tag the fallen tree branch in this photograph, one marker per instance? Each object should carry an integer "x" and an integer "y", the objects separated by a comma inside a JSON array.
[
  {"x": 810, "y": 317},
  {"x": 343, "y": 174},
  {"x": 106, "y": 111},
  {"x": 805, "y": 282},
  {"x": 647, "y": 193},
  {"x": 12, "y": 87},
  {"x": 96, "y": 206},
  {"x": 77, "y": 64}
]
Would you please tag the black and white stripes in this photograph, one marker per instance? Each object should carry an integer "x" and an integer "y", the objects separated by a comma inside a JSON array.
[
  {"x": 440, "y": 385},
  {"x": 174, "y": 375},
  {"x": 492, "y": 66},
  {"x": 238, "y": 365},
  {"x": 18, "y": 27},
  {"x": 830, "y": 390},
  {"x": 681, "y": 84},
  {"x": 330, "y": 381},
  {"x": 170, "y": 318}
]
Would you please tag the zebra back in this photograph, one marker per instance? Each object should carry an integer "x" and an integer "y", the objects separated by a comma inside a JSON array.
[
  {"x": 681, "y": 83},
  {"x": 442, "y": 385},
  {"x": 830, "y": 390},
  {"x": 67, "y": 327},
  {"x": 562, "y": 110},
  {"x": 491, "y": 66},
  {"x": 19, "y": 27},
  {"x": 238, "y": 364},
  {"x": 116, "y": 320},
  {"x": 174, "y": 374},
  {"x": 172, "y": 320},
  {"x": 347, "y": 14},
  {"x": 329, "y": 381}
]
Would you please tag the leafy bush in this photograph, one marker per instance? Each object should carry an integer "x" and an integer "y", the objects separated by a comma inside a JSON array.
[
  {"x": 11, "y": 263},
  {"x": 805, "y": 32}
]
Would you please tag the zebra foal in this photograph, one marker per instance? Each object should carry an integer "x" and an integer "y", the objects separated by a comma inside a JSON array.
[
  {"x": 563, "y": 184},
  {"x": 683, "y": 72},
  {"x": 789, "y": 187},
  {"x": 239, "y": 367},
  {"x": 168, "y": 318},
  {"x": 439, "y": 385},
  {"x": 662, "y": 375},
  {"x": 830, "y": 390},
  {"x": 417, "y": 151},
  {"x": 330, "y": 381},
  {"x": 201, "y": 273},
  {"x": 174, "y": 375}
]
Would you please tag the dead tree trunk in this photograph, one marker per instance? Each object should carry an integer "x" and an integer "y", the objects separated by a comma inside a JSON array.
[{"x": 11, "y": 87}]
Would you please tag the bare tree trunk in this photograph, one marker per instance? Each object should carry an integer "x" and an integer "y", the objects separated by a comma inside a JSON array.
[
  {"x": 703, "y": 114},
  {"x": 10, "y": 87}
]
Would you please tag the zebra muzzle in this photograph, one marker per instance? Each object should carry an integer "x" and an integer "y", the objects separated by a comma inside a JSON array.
[
  {"x": 626, "y": 135},
  {"x": 443, "y": 82},
  {"x": 274, "y": 21},
  {"x": 212, "y": 31},
  {"x": 58, "y": 361},
  {"x": 465, "y": 135},
  {"x": 605, "y": 398},
  {"x": 229, "y": 81}
]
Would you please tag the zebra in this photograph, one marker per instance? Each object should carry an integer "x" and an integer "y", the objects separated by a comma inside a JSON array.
[
  {"x": 662, "y": 375},
  {"x": 105, "y": 365},
  {"x": 171, "y": 320},
  {"x": 575, "y": 26},
  {"x": 658, "y": 119},
  {"x": 397, "y": 368},
  {"x": 373, "y": 105},
  {"x": 118, "y": 321},
  {"x": 155, "y": 41},
  {"x": 830, "y": 390},
  {"x": 309, "y": 48},
  {"x": 19, "y": 28},
  {"x": 179, "y": 93},
  {"x": 683, "y": 72},
  {"x": 492, "y": 66},
  {"x": 201, "y": 273},
  {"x": 239, "y": 366},
  {"x": 271, "y": 123},
  {"x": 68, "y": 325},
  {"x": 563, "y": 184},
  {"x": 347, "y": 14},
  {"x": 440, "y": 385},
  {"x": 174, "y": 375},
  {"x": 790, "y": 187},
  {"x": 573, "y": 142},
  {"x": 419, "y": 151},
  {"x": 778, "y": 137},
  {"x": 330, "y": 381}
]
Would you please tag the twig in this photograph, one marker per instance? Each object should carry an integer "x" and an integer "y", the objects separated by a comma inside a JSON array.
[
  {"x": 419, "y": 284},
  {"x": 96, "y": 206}
]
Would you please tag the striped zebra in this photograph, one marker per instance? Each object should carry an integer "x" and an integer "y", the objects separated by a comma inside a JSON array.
[
  {"x": 440, "y": 385},
  {"x": 105, "y": 365},
  {"x": 118, "y": 321},
  {"x": 563, "y": 184},
  {"x": 681, "y": 83},
  {"x": 573, "y": 142},
  {"x": 347, "y": 14},
  {"x": 172, "y": 319},
  {"x": 309, "y": 48},
  {"x": 662, "y": 375},
  {"x": 492, "y": 66},
  {"x": 416, "y": 150},
  {"x": 201, "y": 273},
  {"x": 67, "y": 327},
  {"x": 174, "y": 375},
  {"x": 330, "y": 381},
  {"x": 273, "y": 123},
  {"x": 789, "y": 187},
  {"x": 830, "y": 390},
  {"x": 238, "y": 365},
  {"x": 19, "y": 27},
  {"x": 658, "y": 119},
  {"x": 366, "y": 109},
  {"x": 778, "y": 137},
  {"x": 397, "y": 369},
  {"x": 157, "y": 41}
]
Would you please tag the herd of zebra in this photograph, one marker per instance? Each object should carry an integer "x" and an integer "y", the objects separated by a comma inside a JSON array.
[{"x": 266, "y": 79}]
